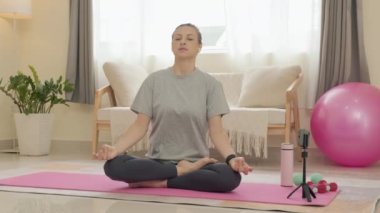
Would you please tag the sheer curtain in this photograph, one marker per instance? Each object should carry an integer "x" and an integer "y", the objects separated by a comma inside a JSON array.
[
  {"x": 253, "y": 33},
  {"x": 139, "y": 31},
  {"x": 276, "y": 32}
]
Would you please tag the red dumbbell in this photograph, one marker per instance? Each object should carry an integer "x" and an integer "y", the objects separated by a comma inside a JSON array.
[
  {"x": 323, "y": 187},
  {"x": 332, "y": 187}
]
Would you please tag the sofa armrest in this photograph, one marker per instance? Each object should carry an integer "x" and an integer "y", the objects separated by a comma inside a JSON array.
[
  {"x": 98, "y": 124},
  {"x": 295, "y": 84},
  {"x": 291, "y": 108},
  {"x": 106, "y": 90}
]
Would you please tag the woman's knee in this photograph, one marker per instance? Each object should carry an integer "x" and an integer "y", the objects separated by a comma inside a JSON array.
[
  {"x": 231, "y": 180},
  {"x": 114, "y": 168},
  {"x": 228, "y": 179},
  {"x": 110, "y": 169}
]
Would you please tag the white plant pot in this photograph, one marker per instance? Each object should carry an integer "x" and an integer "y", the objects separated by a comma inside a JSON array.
[{"x": 34, "y": 133}]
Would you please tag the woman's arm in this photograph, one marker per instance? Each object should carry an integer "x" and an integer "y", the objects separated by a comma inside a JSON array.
[
  {"x": 130, "y": 137},
  {"x": 133, "y": 134},
  {"x": 222, "y": 144},
  {"x": 219, "y": 137}
]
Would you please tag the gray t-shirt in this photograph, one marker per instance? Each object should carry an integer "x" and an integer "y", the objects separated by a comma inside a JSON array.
[{"x": 179, "y": 107}]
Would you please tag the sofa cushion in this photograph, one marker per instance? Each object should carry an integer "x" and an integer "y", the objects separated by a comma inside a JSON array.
[
  {"x": 275, "y": 116},
  {"x": 231, "y": 83},
  {"x": 105, "y": 113},
  {"x": 125, "y": 80},
  {"x": 266, "y": 87}
]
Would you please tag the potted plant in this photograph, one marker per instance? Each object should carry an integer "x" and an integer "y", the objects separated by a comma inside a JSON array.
[{"x": 34, "y": 100}]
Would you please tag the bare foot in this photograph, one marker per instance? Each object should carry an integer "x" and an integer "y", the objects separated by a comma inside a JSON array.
[
  {"x": 149, "y": 184},
  {"x": 184, "y": 166}
]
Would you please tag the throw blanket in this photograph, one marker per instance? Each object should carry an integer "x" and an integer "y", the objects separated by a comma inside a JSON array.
[{"x": 246, "y": 128}]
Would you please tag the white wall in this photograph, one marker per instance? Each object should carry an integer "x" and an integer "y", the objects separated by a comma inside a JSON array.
[
  {"x": 9, "y": 59},
  {"x": 43, "y": 43}
]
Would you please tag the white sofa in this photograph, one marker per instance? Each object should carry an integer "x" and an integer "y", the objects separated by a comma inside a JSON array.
[{"x": 263, "y": 102}]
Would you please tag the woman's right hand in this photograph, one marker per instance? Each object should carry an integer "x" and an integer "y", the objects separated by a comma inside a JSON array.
[
  {"x": 106, "y": 152},
  {"x": 238, "y": 164}
]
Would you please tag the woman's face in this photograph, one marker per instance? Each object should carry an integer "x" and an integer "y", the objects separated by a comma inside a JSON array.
[{"x": 185, "y": 43}]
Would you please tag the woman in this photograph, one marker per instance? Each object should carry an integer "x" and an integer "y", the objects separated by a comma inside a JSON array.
[{"x": 182, "y": 104}]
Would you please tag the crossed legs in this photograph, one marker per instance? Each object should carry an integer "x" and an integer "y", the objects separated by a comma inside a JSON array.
[{"x": 202, "y": 175}]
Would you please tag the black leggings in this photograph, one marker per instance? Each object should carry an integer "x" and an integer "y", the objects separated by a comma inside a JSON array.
[{"x": 216, "y": 177}]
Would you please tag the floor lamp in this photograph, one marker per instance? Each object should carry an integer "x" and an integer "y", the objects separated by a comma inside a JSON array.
[{"x": 15, "y": 9}]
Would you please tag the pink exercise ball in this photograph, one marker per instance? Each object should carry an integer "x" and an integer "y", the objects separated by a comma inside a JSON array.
[{"x": 345, "y": 124}]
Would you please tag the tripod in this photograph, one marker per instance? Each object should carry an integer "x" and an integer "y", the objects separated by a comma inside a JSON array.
[{"x": 306, "y": 190}]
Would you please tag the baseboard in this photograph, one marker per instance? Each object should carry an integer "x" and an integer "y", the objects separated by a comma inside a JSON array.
[
  {"x": 73, "y": 147},
  {"x": 276, "y": 140},
  {"x": 6, "y": 144},
  {"x": 83, "y": 149},
  {"x": 57, "y": 146}
]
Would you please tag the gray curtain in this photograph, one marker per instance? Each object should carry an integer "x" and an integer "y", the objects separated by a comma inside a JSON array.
[
  {"x": 342, "y": 56},
  {"x": 80, "y": 56}
]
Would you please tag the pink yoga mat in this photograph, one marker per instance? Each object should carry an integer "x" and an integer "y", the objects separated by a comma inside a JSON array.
[{"x": 248, "y": 192}]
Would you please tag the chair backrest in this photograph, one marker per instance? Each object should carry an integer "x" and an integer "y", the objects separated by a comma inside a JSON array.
[
  {"x": 258, "y": 87},
  {"x": 266, "y": 86},
  {"x": 125, "y": 80}
]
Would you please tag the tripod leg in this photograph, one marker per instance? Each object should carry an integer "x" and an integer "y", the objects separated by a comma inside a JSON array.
[
  {"x": 294, "y": 191},
  {"x": 311, "y": 192},
  {"x": 306, "y": 192}
]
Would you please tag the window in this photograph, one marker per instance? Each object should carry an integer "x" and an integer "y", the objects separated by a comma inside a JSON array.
[{"x": 127, "y": 20}]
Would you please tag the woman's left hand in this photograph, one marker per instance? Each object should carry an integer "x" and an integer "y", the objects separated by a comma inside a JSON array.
[{"x": 238, "y": 164}]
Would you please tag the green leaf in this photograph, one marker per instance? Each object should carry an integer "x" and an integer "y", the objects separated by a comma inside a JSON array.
[{"x": 31, "y": 95}]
